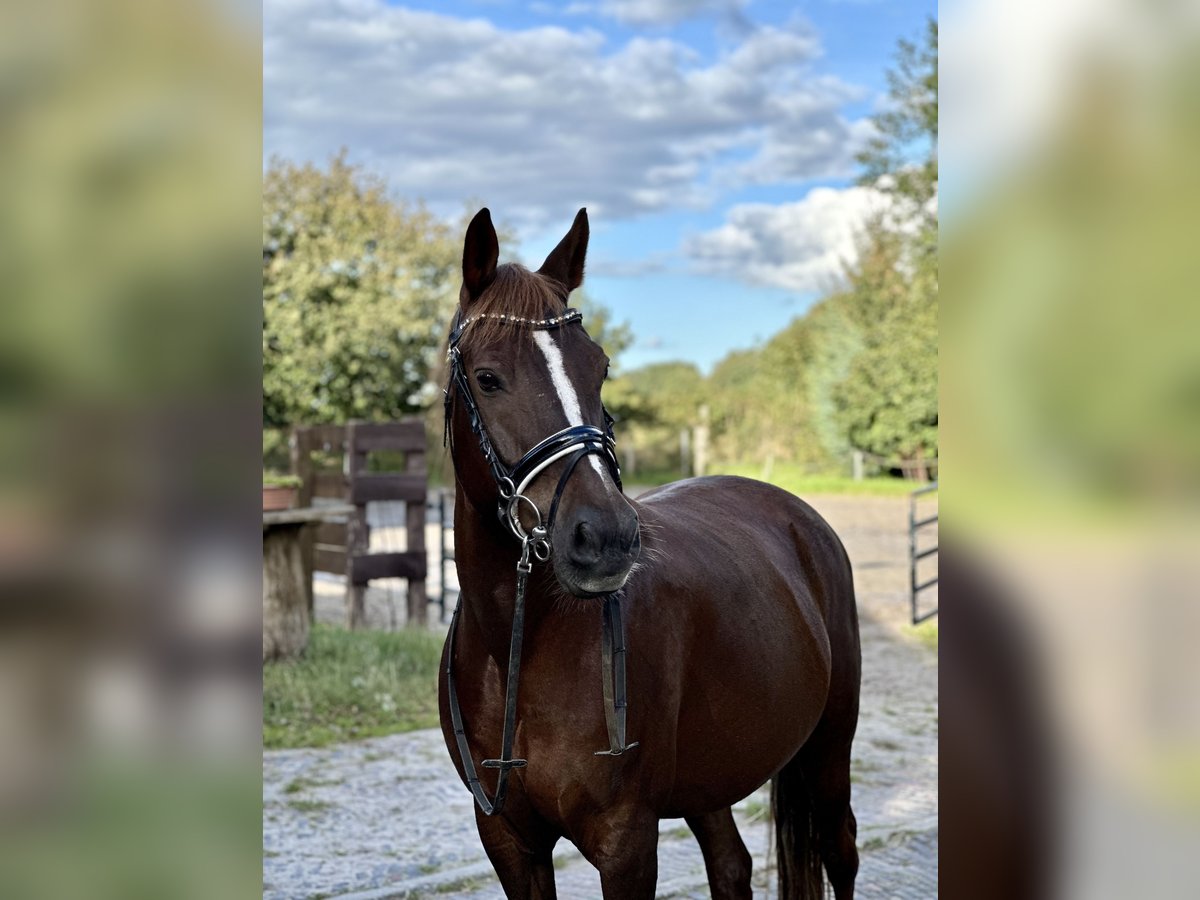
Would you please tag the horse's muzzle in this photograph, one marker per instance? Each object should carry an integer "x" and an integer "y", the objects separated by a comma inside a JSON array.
[{"x": 596, "y": 550}]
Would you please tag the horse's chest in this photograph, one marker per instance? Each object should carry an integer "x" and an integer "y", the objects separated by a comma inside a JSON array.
[{"x": 559, "y": 727}]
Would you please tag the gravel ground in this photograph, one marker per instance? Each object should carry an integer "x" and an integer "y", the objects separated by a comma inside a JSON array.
[{"x": 388, "y": 818}]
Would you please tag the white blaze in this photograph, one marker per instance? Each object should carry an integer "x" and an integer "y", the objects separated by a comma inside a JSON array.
[{"x": 563, "y": 387}]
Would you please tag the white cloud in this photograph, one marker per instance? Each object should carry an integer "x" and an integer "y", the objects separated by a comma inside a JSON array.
[
  {"x": 540, "y": 121},
  {"x": 802, "y": 246},
  {"x": 665, "y": 12}
]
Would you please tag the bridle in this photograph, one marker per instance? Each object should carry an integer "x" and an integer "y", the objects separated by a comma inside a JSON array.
[
  {"x": 575, "y": 441},
  {"x": 573, "y": 444}
]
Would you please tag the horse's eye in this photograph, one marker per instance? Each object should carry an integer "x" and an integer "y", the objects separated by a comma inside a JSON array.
[{"x": 488, "y": 382}]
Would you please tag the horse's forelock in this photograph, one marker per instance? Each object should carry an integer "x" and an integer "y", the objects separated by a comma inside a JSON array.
[{"x": 518, "y": 292}]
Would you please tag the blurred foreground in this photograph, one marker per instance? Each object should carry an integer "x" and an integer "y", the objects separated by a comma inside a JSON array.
[
  {"x": 129, "y": 426},
  {"x": 1071, "y": 434}
]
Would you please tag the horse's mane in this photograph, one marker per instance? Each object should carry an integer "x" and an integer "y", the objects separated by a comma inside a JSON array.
[{"x": 516, "y": 291}]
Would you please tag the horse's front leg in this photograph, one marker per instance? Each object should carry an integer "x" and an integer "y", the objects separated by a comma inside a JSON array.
[
  {"x": 623, "y": 846},
  {"x": 524, "y": 871}
]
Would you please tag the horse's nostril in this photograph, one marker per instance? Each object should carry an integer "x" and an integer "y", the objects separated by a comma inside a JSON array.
[
  {"x": 586, "y": 547},
  {"x": 600, "y": 543}
]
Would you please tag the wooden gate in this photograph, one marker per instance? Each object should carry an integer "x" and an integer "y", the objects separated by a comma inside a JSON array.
[{"x": 334, "y": 463}]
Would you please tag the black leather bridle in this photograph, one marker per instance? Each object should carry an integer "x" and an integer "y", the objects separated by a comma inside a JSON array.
[
  {"x": 575, "y": 441},
  {"x": 573, "y": 444}
]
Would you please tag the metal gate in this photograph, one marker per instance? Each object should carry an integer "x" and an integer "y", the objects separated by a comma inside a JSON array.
[
  {"x": 445, "y": 511},
  {"x": 916, "y": 553}
]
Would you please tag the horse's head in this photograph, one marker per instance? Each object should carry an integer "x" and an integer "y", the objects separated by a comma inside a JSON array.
[{"x": 524, "y": 412}]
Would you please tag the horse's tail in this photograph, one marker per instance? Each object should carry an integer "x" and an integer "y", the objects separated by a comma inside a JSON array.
[{"x": 800, "y": 874}]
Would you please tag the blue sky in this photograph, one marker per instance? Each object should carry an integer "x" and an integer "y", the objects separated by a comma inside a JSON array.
[{"x": 711, "y": 140}]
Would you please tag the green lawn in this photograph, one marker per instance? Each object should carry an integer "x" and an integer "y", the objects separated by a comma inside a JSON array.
[
  {"x": 790, "y": 478},
  {"x": 350, "y": 685},
  {"x": 926, "y": 633},
  {"x": 801, "y": 483}
]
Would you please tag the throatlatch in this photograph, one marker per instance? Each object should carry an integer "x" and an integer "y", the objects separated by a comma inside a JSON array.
[{"x": 575, "y": 442}]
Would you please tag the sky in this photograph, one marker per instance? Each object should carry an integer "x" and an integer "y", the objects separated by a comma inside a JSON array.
[{"x": 712, "y": 141}]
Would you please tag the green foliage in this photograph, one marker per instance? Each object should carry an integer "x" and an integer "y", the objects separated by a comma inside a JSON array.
[
  {"x": 660, "y": 394},
  {"x": 614, "y": 337},
  {"x": 888, "y": 402},
  {"x": 653, "y": 404},
  {"x": 837, "y": 339},
  {"x": 351, "y": 684},
  {"x": 777, "y": 403},
  {"x": 273, "y": 479},
  {"x": 276, "y": 454},
  {"x": 741, "y": 407},
  {"x": 901, "y": 158},
  {"x": 357, "y": 290}
]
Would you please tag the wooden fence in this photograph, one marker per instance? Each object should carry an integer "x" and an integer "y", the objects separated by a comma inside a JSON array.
[{"x": 334, "y": 464}]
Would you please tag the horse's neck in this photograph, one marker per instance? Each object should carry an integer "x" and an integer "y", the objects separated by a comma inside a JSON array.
[{"x": 486, "y": 557}]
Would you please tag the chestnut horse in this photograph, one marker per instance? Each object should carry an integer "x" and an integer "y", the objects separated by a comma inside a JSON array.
[{"x": 740, "y": 631}]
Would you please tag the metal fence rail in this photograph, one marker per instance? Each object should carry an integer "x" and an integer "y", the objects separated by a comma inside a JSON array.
[
  {"x": 915, "y": 555},
  {"x": 445, "y": 505}
]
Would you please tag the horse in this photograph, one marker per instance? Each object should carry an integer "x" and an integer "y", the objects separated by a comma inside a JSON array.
[{"x": 706, "y": 631}]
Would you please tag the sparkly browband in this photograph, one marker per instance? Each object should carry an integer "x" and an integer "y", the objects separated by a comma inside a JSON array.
[
  {"x": 512, "y": 480},
  {"x": 460, "y": 326}
]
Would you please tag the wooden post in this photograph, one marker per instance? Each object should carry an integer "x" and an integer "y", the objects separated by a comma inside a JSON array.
[
  {"x": 414, "y": 514},
  {"x": 285, "y": 616},
  {"x": 358, "y": 534},
  {"x": 700, "y": 449},
  {"x": 856, "y": 458}
]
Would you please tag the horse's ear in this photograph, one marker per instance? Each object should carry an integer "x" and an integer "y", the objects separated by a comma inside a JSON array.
[
  {"x": 565, "y": 262},
  {"x": 481, "y": 250}
]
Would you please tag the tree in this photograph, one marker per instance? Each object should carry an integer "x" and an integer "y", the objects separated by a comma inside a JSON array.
[
  {"x": 357, "y": 290},
  {"x": 901, "y": 158},
  {"x": 653, "y": 404},
  {"x": 887, "y": 402},
  {"x": 614, "y": 337},
  {"x": 836, "y": 337}
]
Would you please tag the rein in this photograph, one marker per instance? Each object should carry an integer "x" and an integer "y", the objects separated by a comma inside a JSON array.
[{"x": 572, "y": 443}]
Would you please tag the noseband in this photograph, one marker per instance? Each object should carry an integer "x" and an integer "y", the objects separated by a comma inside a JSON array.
[{"x": 573, "y": 444}]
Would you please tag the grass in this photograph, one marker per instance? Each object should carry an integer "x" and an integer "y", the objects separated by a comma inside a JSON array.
[
  {"x": 790, "y": 478},
  {"x": 351, "y": 685},
  {"x": 756, "y": 809},
  {"x": 802, "y": 483},
  {"x": 873, "y": 843},
  {"x": 309, "y": 806},
  {"x": 926, "y": 633},
  {"x": 300, "y": 785}
]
